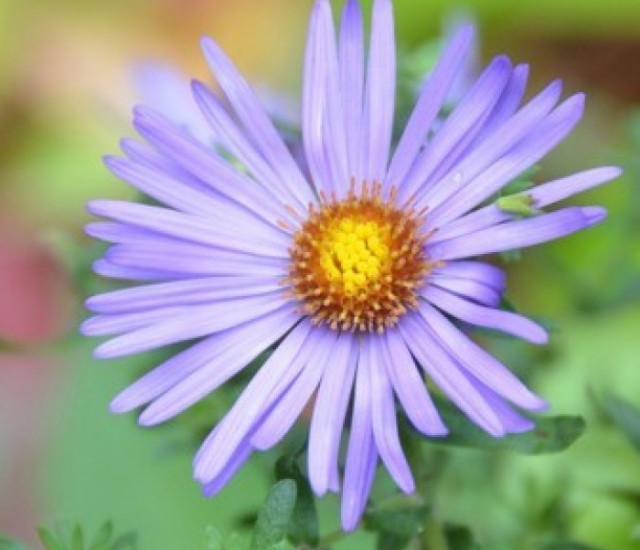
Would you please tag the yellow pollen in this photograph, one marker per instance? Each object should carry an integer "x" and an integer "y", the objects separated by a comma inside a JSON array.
[{"x": 357, "y": 263}]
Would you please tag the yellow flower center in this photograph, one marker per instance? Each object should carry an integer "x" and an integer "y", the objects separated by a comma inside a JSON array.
[{"x": 357, "y": 263}]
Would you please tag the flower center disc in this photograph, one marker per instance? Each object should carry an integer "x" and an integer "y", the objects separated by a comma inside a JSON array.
[{"x": 357, "y": 263}]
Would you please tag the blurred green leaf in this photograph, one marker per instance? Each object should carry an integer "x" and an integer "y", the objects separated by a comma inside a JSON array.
[
  {"x": 77, "y": 538},
  {"x": 275, "y": 516},
  {"x": 102, "y": 537},
  {"x": 551, "y": 434},
  {"x": 568, "y": 546},
  {"x": 625, "y": 416},
  {"x": 460, "y": 538},
  {"x": 49, "y": 541},
  {"x": 215, "y": 540},
  {"x": 399, "y": 518},
  {"x": 304, "y": 521},
  {"x": 9, "y": 544}
]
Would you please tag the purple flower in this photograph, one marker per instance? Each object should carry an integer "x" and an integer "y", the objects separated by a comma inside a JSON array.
[{"x": 356, "y": 275}]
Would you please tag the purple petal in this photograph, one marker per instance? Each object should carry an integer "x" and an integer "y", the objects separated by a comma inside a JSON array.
[
  {"x": 351, "y": 53},
  {"x": 239, "y": 458},
  {"x": 446, "y": 374},
  {"x": 380, "y": 91},
  {"x": 429, "y": 104},
  {"x": 201, "y": 321},
  {"x": 385, "y": 426},
  {"x": 504, "y": 321},
  {"x": 329, "y": 415},
  {"x": 278, "y": 372},
  {"x": 362, "y": 456},
  {"x": 460, "y": 127},
  {"x": 467, "y": 288},
  {"x": 546, "y": 136},
  {"x": 511, "y": 421},
  {"x": 255, "y": 121},
  {"x": 479, "y": 363},
  {"x": 203, "y": 366},
  {"x": 517, "y": 234},
  {"x": 483, "y": 273},
  {"x": 290, "y": 405},
  {"x": 410, "y": 387},
  {"x": 105, "y": 268}
]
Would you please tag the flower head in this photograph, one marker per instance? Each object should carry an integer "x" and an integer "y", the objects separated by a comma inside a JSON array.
[{"x": 359, "y": 271}]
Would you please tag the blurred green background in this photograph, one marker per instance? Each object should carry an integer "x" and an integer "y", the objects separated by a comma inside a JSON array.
[{"x": 66, "y": 89}]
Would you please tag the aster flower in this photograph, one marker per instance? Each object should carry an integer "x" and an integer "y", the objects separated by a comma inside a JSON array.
[{"x": 357, "y": 276}]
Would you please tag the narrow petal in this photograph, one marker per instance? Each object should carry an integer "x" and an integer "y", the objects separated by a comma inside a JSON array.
[
  {"x": 329, "y": 414},
  {"x": 351, "y": 53},
  {"x": 467, "y": 288},
  {"x": 481, "y": 272},
  {"x": 239, "y": 458},
  {"x": 546, "y": 136},
  {"x": 233, "y": 138},
  {"x": 504, "y": 321},
  {"x": 460, "y": 127},
  {"x": 290, "y": 405},
  {"x": 385, "y": 426},
  {"x": 255, "y": 120},
  {"x": 517, "y": 234},
  {"x": 442, "y": 369},
  {"x": 479, "y": 363},
  {"x": 410, "y": 387},
  {"x": 200, "y": 322},
  {"x": 106, "y": 268},
  {"x": 193, "y": 373},
  {"x": 362, "y": 455},
  {"x": 185, "y": 292},
  {"x": 429, "y": 104},
  {"x": 279, "y": 371},
  {"x": 380, "y": 92}
]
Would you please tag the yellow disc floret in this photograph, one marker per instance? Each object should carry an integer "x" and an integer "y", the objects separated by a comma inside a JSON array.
[{"x": 356, "y": 263}]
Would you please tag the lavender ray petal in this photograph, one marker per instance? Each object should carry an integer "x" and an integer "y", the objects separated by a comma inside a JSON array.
[
  {"x": 384, "y": 421},
  {"x": 329, "y": 415},
  {"x": 509, "y": 418},
  {"x": 200, "y": 322},
  {"x": 467, "y": 288},
  {"x": 184, "y": 292},
  {"x": 290, "y": 405},
  {"x": 442, "y": 369},
  {"x": 479, "y": 363},
  {"x": 217, "y": 116},
  {"x": 517, "y": 234},
  {"x": 237, "y": 460},
  {"x": 461, "y": 126},
  {"x": 429, "y": 104},
  {"x": 105, "y": 268},
  {"x": 410, "y": 387},
  {"x": 193, "y": 228},
  {"x": 483, "y": 273},
  {"x": 547, "y": 135},
  {"x": 362, "y": 455},
  {"x": 207, "y": 361},
  {"x": 351, "y": 54},
  {"x": 255, "y": 120},
  {"x": 504, "y": 321},
  {"x": 206, "y": 165},
  {"x": 380, "y": 92},
  {"x": 279, "y": 371}
]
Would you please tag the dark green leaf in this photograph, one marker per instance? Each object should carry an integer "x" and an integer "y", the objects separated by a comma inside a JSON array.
[
  {"x": 401, "y": 517},
  {"x": 460, "y": 538},
  {"x": 304, "y": 521},
  {"x": 128, "y": 541},
  {"x": 551, "y": 434},
  {"x": 77, "y": 539},
  {"x": 102, "y": 538},
  {"x": 388, "y": 541},
  {"x": 275, "y": 516},
  {"x": 625, "y": 416}
]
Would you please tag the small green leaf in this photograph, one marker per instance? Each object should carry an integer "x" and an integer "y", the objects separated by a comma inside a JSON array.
[
  {"x": 551, "y": 434},
  {"x": 388, "y": 541},
  {"x": 49, "y": 540},
  {"x": 275, "y": 516},
  {"x": 460, "y": 538},
  {"x": 521, "y": 204},
  {"x": 102, "y": 538},
  {"x": 625, "y": 416},
  {"x": 77, "y": 538},
  {"x": 304, "y": 522},
  {"x": 9, "y": 544},
  {"x": 401, "y": 517}
]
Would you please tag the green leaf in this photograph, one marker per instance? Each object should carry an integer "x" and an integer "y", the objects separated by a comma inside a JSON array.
[
  {"x": 568, "y": 546},
  {"x": 460, "y": 538},
  {"x": 9, "y": 544},
  {"x": 49, "y": 540},
  {"x": 304, "y": 521},
  {"x": 551, "y": 434},
  {"x": 388, "y": 541},
  {"x": 275, "y": 516},
  {"x": 625, "y": 416},
  {"x": 77, "y": 538},
  {"x": 402, "y": 517},
  {"x": 102, "y": 538},
  {"x": 522, "y": 205}
]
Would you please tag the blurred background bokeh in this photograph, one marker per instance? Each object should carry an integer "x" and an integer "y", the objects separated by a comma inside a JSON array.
[{"x": 66, "y": 90}]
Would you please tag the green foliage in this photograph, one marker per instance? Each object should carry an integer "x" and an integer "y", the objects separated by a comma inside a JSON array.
[
  {"x": 625, "y": 416},
  {"x": 74, "y": 539},
  {"x": 274, "y": 519}
]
